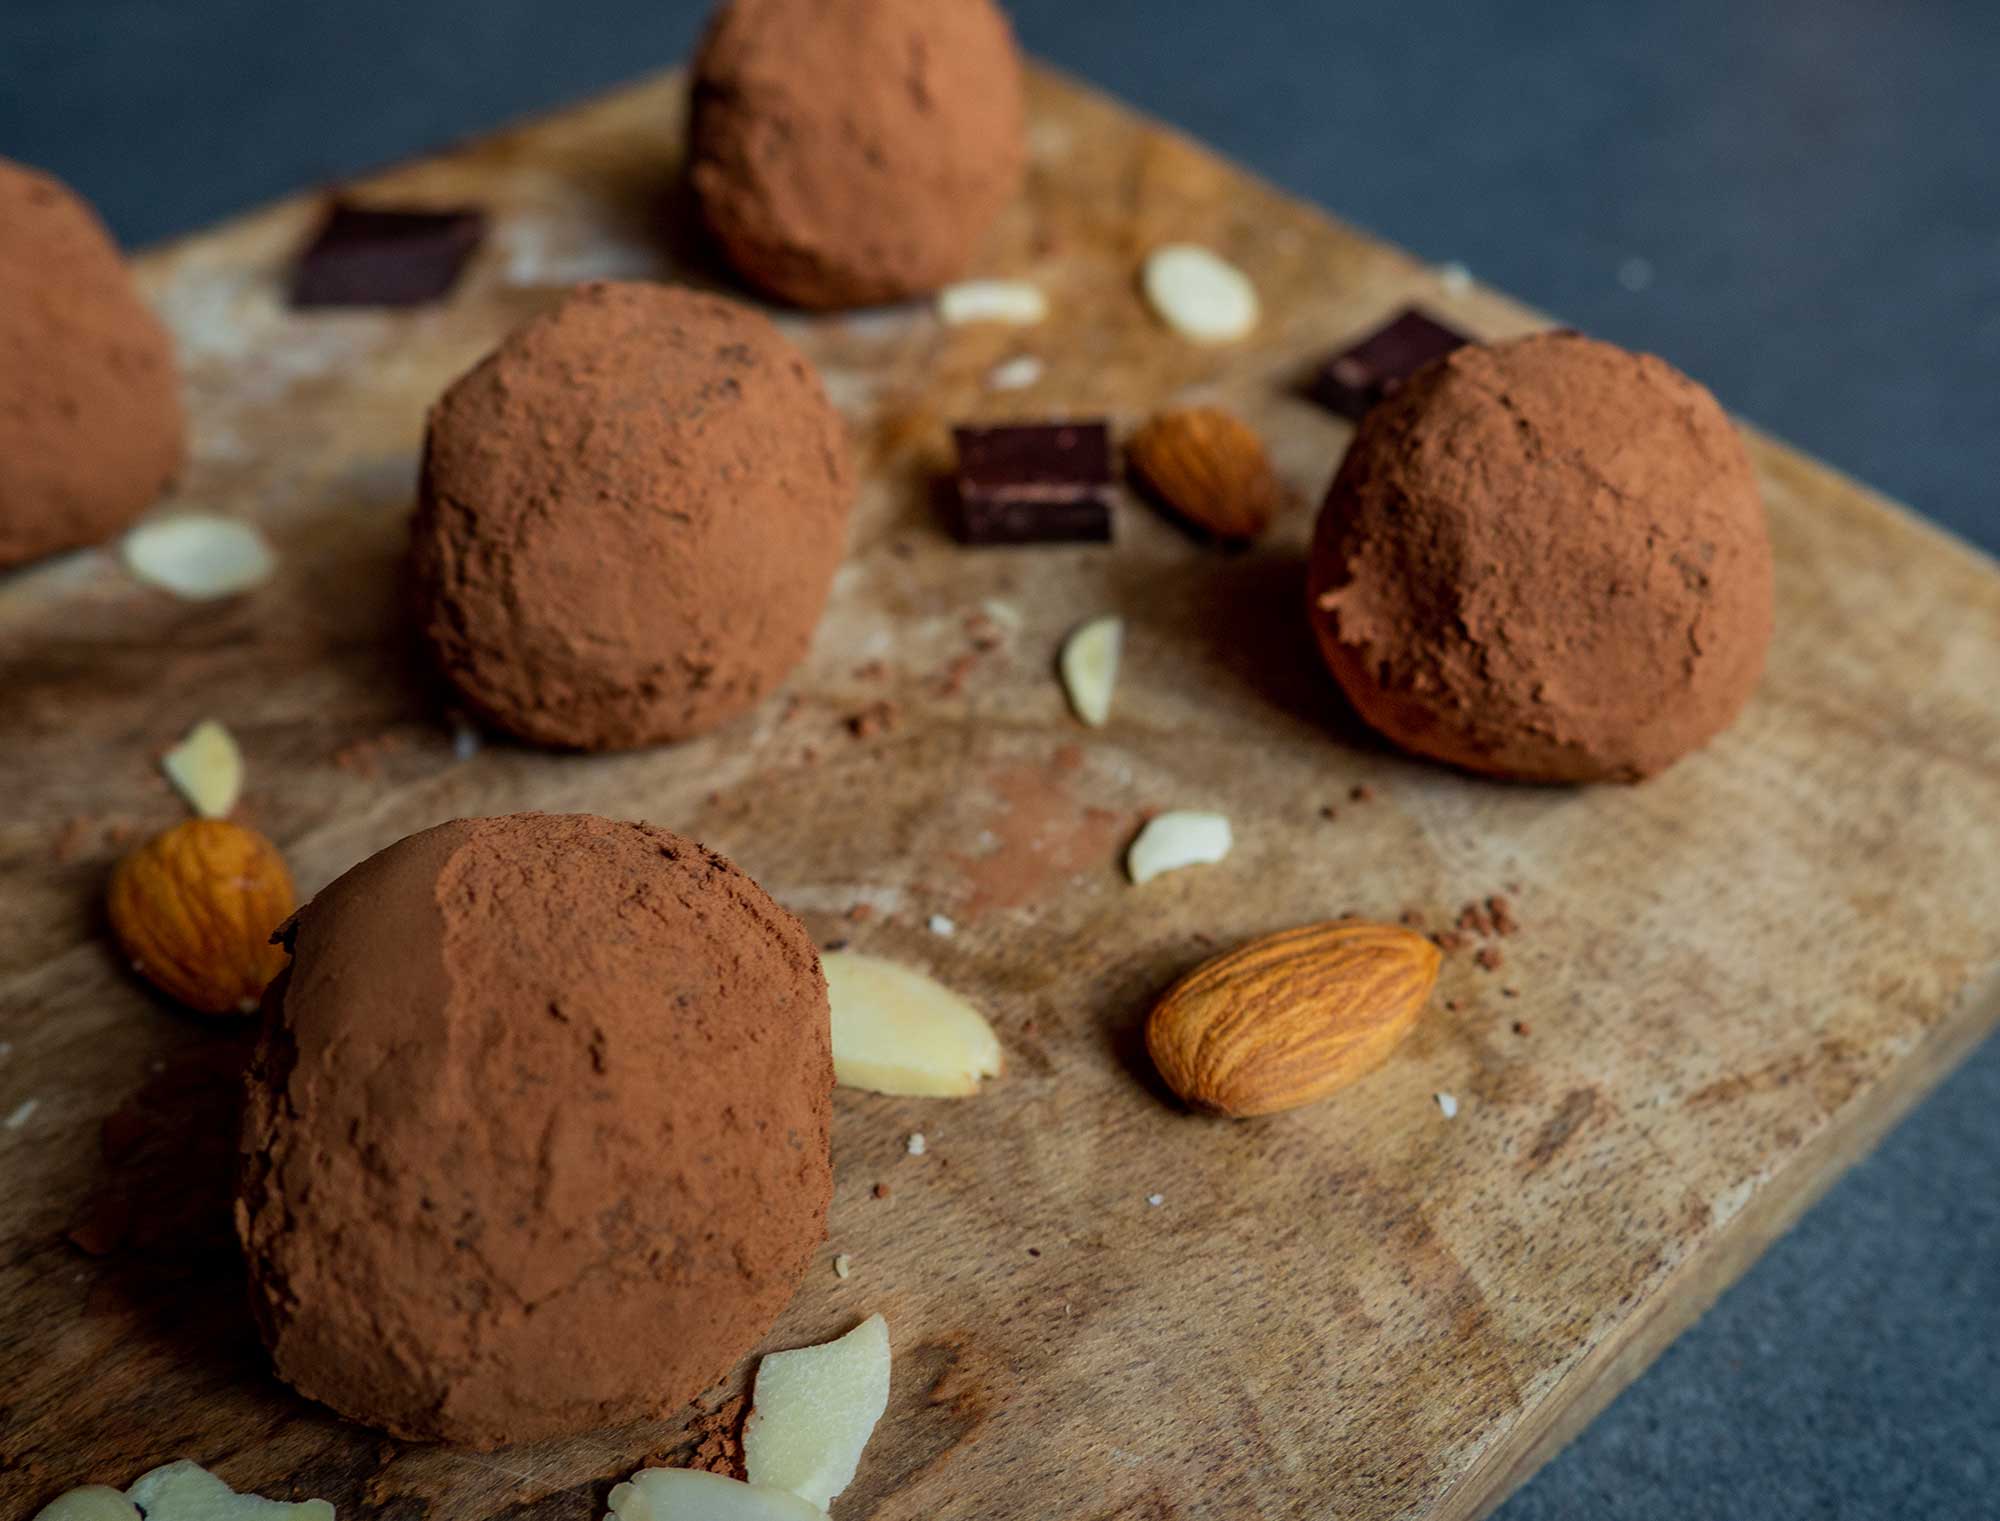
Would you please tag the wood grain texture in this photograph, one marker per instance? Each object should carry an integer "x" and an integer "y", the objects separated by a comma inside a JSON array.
[{"x": 1732, "y": 979}]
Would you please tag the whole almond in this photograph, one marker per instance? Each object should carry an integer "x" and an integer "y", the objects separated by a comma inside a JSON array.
[
  {"x": 1289, "y": 1018},
  {"x": 1208, "y": 467},
  {"x": 194, "y": 910}
]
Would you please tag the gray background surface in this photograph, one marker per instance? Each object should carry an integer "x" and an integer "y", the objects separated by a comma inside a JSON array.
[{"x": 1798, "y": 201}]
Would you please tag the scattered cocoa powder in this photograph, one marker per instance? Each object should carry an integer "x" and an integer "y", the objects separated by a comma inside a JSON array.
[
  {"x": 363, "y": 757},
  {"x": 984, "y": 632},
  {"x": 71, "y": 839},
  {"x": 861, "y": 913},
  {"x": 1520, "y": 1027},
  {"x": 876, "y": 718},
  {"x": 1044, "y": 836},
  {"x": 1361, "y": 793},
  {"x": 950, "y": 682},
  {"x": 1488, "y": 957},
  {"x": 881, "y": 1190},
  {"x": 1502, "y": 914},
  {"x": 1473, "y": 920},
  {"x": 712, "y": 1442},
  {"x": 1449, "y": 940}
]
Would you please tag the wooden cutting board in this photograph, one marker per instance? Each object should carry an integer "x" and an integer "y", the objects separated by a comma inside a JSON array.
[{"x": 1727, "y": 983}]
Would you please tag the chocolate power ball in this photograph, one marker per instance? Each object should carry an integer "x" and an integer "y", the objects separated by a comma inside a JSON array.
[
  {"x": 91, "y": 428},
  {"x": 1547, "y": 560},
  {"x": 848, "y": 152},
  {"x": 629, "y": 517},
  {"x": 537, "y": 1133}
]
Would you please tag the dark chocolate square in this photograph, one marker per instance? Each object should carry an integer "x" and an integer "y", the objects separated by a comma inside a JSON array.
[
  {"x": 1034, "y": 483},
  {"x": 386, "y": 256},
  {"x": 1357, "y": 378}
]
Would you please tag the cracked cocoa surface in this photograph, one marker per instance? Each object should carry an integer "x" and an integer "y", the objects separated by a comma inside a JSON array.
[
  {"x": 537, "y": 1139},
  {"x": 1546, "y": 559}
]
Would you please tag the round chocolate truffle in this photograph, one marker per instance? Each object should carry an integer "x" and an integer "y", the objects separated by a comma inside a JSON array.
[
  {"x": 629, "y": 518},
  {"x": 537, "y": 1133},
  {"x": 91, "y": 428},
  {"x": 1547, "y": 560},
  {"x": 847, "y": 152}
]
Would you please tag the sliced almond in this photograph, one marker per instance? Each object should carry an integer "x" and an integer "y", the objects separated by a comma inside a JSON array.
[
  {"x": 199, "y": 556},
  {"x": 206, "y": 768},
  {"x": 184, "y": 1491},
  {"x": 1015, "y": 374},
  {"x": 813, "y": 1410},
  {"x": 690, "y": 1494},
  {"x": 1014, "y": 303},
  {"x": 897, "y": 1031},
  {"x": 1173, "y": 840},
  {"x": 1089, "y": 666},
  {"x": 1199, "y": 294},
  {"x": 93, "y": 1502}
]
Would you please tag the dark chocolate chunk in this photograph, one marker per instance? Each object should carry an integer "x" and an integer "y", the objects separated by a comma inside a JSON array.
[
  {"x": 1034, "y": 483},
  {"x": 1355, "y": 379},
  {"x": 386, "y": 256}
]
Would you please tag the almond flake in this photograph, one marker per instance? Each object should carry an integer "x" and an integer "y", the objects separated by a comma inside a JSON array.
[
  {"x": 692, "y": 1494},
  {"x": 1447, "y": 1105},
  {"x": 1173, "y": 840},
  {"x": 1015, "y": 374},
  {"x": 1089, "y": 667},
  {"x": 93, "y": 1502},
  {"x": 813, "y": 1410},
  {"x": 184, "y": 1491},
  {"x": 198, "y": 556},
  {"x": 206, "y": 768},
  {"x": 1013, "y": 302},
  {"x": 1198, "y": 294},
  {"x": 897, "y": 1031}
]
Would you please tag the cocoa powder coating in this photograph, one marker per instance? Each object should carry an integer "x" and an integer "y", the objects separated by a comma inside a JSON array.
[
  {"x": 1546, "y": 559},
  {"x": 91, "y": 427},
  {"x": 537, "y": 1132},
  {"x": 629, "y": 517},
  {"x": 847, "y": 152}
]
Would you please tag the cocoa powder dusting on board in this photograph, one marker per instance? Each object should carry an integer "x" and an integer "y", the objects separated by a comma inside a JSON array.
[
  {"x": 1044, "y": 836},
  {"x": 712, "y": 1442}
]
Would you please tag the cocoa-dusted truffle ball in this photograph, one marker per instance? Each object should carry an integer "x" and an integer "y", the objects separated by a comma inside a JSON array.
[
  {"x": 629, "y": 518},
  {"x": 537, "y": 1135},
  {"x": 854, "y": 151},
  {"x": 91, "y": 428},
  {"x": 1546, "y": 559}
]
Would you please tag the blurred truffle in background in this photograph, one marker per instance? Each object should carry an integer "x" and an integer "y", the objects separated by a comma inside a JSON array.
[
  {"x": 851, "y": 152},
  {"x": 91, "y": 426}
]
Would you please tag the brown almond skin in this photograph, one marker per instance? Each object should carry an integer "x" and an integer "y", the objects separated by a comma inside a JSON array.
[
  {"x": 1209, "y": 468},
  {"x": 1289, "y": 1018},
  {"x": 195, "y": 908}
]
